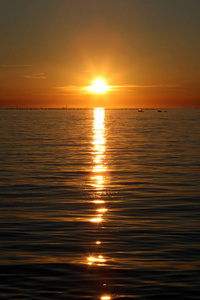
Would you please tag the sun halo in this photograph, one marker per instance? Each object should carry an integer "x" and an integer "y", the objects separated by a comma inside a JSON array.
[{"x": 99, "y": 86}]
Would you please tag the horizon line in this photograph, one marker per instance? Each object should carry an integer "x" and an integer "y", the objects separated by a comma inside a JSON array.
[{"x": 91, "y": 108}]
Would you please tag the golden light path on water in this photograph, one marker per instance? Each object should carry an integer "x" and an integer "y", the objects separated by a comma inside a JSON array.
[
  {"x": 99, "y": 167},
  {"x": 98, "y": 182},
  {"x": 99, "y": 149}
]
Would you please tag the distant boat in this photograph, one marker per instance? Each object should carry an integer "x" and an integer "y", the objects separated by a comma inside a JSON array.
[
  {"x": 159, "y": 110},
  {"x": 140, "y": 110}
]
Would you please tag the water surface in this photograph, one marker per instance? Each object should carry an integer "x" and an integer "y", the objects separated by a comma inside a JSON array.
[{"x": 101, "y": 203}]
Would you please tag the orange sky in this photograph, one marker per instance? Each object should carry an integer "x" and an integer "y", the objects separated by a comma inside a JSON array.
[{"x": 148, "y": 51}]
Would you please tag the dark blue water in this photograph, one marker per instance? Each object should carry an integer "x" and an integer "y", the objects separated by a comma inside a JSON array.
[{"x": 100, "y": 204}]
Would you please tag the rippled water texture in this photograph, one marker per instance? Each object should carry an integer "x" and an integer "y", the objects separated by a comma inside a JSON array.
[{"x": 99, "y": 204}]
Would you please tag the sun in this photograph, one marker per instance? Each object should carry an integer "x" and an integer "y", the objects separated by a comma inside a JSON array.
[{"x": 99, "y": 86}]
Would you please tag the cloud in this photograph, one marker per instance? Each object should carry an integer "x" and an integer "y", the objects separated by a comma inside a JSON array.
[
  {"x": 36, "y": 76},
  {"x": 72, "y": 89},
  {"x": 14, "y": 66},
  {"x": 86, "y": 71},
  {"x": 111, "y": 88},
  {"x": 143, "y": 86}
]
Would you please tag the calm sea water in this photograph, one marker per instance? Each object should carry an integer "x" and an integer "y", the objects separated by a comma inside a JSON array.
[{"x": 100, "y": 204}]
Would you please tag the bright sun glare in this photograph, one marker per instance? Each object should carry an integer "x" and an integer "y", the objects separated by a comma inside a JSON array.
[{"x": 99, "y": 86}]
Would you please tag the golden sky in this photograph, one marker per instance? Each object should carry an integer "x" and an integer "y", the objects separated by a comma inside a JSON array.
[{"x": 147, "y": 51}]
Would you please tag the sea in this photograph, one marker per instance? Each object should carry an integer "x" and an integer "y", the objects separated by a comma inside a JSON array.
[{"x": 100, "y": 204}]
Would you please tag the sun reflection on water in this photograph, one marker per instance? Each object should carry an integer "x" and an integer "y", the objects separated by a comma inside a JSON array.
[
  {"x": 98, "y": 180},
  {"x": 99, "y": 259},
  {"x": 99, "y": 148},
  {"x": 98, "y": 201},
  {"x": 101, "y": 210},
  {"x": 99, "y": 165},
  {"x": 96, "y": 220}
]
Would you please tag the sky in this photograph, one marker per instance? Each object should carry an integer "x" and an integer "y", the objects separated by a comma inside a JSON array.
[{"x": 147, "y": 51}]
